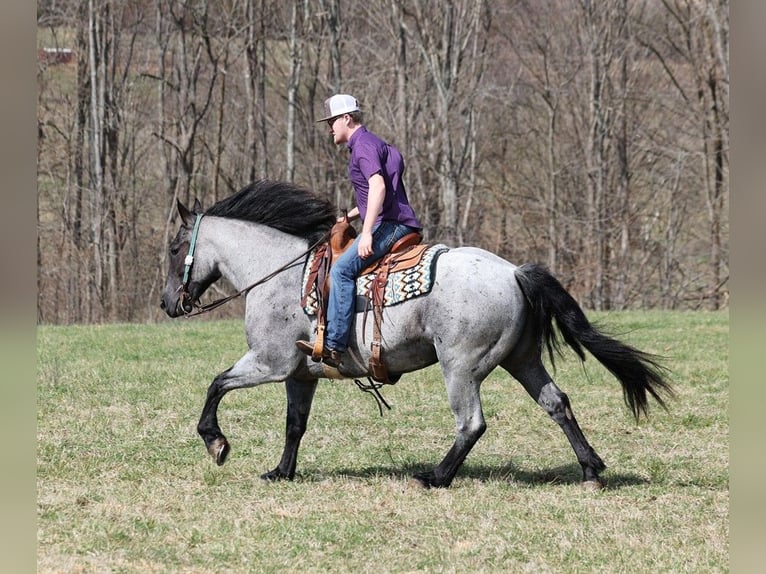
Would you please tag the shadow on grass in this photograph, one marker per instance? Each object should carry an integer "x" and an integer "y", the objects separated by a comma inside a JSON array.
[{"x": 508, "y": 473}]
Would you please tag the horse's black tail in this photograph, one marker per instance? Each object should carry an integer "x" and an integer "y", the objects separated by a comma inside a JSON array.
[{"x": 639, "y": 373}]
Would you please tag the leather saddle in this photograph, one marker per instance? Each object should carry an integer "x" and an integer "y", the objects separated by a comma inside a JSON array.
[{"x": 404, "y": 254}]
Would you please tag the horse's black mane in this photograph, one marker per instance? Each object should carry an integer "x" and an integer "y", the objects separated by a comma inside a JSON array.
[{"x": 280, "y": 205}]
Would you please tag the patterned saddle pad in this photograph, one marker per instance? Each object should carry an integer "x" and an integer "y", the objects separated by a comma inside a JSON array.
[{"x": 401, "y": 286}]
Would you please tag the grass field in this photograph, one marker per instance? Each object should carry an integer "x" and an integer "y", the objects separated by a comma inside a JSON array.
[{"x": 125, "y": 485}]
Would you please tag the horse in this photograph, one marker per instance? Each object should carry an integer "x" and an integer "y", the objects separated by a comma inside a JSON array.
[{"x": 482, "y": 312}]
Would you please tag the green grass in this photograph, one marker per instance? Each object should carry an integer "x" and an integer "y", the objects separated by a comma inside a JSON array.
[{"x": 125, "y": 484}]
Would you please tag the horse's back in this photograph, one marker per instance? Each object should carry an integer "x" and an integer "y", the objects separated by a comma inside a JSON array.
[
  {"x": 475, "y": 312},
  {"x": 475, "y": 294}
]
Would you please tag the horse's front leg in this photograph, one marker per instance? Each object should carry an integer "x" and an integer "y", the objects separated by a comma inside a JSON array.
[
  {"x": 215, "y": 441},
  {"x": 300, "y": 395},
  {"x": 249, "y": 371}
]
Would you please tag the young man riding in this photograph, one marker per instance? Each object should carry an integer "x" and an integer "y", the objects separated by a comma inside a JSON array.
[{"x": 375, "y": 169}]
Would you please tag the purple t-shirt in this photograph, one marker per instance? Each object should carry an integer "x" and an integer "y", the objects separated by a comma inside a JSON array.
[{"x": 371, "y": 155}]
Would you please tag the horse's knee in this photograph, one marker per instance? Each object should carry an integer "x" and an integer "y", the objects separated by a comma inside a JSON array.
[
  {"x": 555, "y": 402},
  {"x": 216, "y": 387},
  {"x": 473, "y": 428}
]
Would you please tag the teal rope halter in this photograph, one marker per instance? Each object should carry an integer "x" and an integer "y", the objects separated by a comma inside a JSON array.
[{"x": 190, "y": 257}]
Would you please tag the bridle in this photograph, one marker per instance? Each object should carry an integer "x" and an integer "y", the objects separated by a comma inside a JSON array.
[{"x": 189, "y": 262}]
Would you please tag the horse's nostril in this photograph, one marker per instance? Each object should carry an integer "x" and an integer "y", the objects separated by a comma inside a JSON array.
[{"x": 162, "y": 303}]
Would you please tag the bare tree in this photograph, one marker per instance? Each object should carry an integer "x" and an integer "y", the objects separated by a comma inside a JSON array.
[
  {"x": 300, "y": 12},
  {"x": 603, "y": 23},
  {"x": 535, "y": 38},
  {"x": 255, "y": 89},
  {"x": 331, "y": 34},
  {"x": 692, "y": 48},
  {"x": 451, "y": 42},
  {"x": 187, "y": 88}
]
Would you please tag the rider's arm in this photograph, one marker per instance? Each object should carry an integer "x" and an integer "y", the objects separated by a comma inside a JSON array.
[
  {"x": 375, "y": 197},
  {"x": 352, "y": 214}
]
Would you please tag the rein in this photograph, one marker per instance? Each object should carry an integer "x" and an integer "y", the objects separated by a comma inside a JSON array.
[{"x": 189, "y": 261}]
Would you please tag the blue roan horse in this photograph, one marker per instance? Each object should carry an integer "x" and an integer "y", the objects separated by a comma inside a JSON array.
[{"x": 482, "y": 312}]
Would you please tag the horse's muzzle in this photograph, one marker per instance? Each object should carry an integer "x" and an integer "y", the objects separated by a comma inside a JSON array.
[{"x": 175, "y": 308}]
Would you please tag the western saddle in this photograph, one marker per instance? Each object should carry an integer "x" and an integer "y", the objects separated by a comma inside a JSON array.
[{"x": 404, "y": 254}]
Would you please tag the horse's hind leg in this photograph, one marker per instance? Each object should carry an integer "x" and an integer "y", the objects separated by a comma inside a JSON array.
[
  {"x": 544, "y": 391},
  {"x": 300, "y": 395}
]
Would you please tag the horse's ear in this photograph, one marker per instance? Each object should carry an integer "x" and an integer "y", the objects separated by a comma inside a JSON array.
[
  {"x": 186, "y": 216},
  {"x": 197, "y": 206}
]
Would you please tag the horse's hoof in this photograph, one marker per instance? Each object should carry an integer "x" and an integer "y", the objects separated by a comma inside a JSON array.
[
  {"x": 219, "y": 450},
  {"x": 593, "y": 485},
  {"x": 274, "y": 476},
  {"x": 429, "y": 480},
  {"x": 418, "y": 483}
]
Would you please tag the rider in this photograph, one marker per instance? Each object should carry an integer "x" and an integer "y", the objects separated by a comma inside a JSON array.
[{"x": 375, "y": 169}]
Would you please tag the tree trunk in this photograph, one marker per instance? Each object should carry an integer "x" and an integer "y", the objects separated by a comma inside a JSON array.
[
  {"x": 255, "y": 90},
  {"x": 96, "y": 67},
  {"x": 295, "y": 49}
]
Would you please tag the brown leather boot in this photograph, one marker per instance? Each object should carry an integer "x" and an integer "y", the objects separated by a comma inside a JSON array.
[{"x": 330, "y": 357}]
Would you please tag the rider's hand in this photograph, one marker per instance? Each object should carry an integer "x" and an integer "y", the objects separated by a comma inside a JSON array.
[{"x": 364, "y": 247}]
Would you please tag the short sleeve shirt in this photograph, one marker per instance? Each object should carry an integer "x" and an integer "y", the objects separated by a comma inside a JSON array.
[{"x": 371, "y": 155}]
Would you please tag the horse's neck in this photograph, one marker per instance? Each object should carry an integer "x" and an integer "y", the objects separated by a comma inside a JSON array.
[{"x": 246, "y": 252}]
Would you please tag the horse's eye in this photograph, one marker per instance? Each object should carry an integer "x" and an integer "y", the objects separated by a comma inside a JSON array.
[{"x": 174, "y": 250}]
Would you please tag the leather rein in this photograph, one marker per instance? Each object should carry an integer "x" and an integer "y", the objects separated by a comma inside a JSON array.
[{"x": 189, "y": 261}]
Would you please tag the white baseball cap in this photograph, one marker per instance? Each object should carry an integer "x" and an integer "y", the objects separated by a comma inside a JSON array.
[{"x": 338, "y": 105}]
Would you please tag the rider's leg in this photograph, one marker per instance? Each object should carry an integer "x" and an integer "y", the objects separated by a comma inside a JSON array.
[{"x": 343, "y": 274}]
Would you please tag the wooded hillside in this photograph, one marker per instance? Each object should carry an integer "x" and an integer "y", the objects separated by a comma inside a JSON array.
[{"x": 589, "y": 136}]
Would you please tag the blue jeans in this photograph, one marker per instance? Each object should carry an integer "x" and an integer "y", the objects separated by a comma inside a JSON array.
[{"x": 342, "y": 303}]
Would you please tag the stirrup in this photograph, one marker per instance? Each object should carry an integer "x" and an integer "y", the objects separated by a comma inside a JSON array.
[{"x": 328, "y": 356}]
